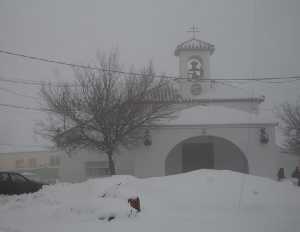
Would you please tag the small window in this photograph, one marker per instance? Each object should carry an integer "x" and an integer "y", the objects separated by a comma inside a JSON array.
[
  {"x": 54, "y": 161},
  {"x": 20, "y": 163},
  {"x": 17, "y": 178},
  {"x": 4, "y": 177},
  {"x": 32, "y": 162},
  {"x": 97, "y": 169}
]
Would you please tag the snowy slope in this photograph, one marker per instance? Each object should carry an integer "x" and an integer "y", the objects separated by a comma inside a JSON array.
[{"x": 196, "y": 201}]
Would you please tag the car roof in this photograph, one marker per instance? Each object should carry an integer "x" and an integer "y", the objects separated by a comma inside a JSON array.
[{"x": 9, "y": 172}]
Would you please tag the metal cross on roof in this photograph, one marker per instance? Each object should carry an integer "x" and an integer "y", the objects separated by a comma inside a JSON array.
[{"x": 194, "y": 30}]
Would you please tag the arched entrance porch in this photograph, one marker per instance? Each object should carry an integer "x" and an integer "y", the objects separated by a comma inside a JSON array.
[{"x": 205, "y": 152}]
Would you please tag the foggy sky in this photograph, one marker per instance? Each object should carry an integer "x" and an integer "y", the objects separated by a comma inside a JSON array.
[{"x": 252, "y": 38}]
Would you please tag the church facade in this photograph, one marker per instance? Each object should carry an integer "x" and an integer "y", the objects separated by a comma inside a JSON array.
[{"x": 218, "y": 126}]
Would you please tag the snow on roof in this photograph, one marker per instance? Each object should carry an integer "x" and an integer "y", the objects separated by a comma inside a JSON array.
[
  {"x": 8, "y": 149},
  {"x": 218, "y": 91},
  {"x": 212, "y": 91},
  {"x": 193, "y": 44},
  {"x": 218, "y": 115},
  {"x": 28, "y": 174},
  {"x": 16, "y": 150}
]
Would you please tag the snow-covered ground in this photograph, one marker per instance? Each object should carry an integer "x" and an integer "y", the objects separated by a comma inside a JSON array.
[{"x": 196, "y": 201}]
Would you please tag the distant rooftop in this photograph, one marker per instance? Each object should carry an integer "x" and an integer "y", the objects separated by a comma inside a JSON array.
[{"x": 24, "y": 149}]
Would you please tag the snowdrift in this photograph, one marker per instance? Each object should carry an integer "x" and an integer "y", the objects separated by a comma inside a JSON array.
[{"x": 204, "y": 200}]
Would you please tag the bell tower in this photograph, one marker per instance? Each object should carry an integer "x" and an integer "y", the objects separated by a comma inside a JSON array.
[{"x": 194, "y": 62}]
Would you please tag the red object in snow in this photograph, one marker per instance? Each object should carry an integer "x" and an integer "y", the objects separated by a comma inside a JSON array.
[{"x": 135, "y": 203}]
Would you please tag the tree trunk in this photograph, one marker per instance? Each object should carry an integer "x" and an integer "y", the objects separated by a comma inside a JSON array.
[{"x": 111, "y": 163}]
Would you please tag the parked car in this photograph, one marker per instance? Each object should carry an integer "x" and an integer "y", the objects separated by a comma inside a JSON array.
[
  {"x": 14, "y": 183},
  {"x": 31, "y": 176}
]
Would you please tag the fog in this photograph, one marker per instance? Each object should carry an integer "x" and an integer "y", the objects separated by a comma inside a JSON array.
[{"x": 253, "y": 38}]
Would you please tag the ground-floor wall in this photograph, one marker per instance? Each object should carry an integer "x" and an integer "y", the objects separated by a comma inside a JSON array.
[
  {"x": 288, "y": 162},
  {"x": 75, "y": 167},
  {"x": 263, "y": 159}
]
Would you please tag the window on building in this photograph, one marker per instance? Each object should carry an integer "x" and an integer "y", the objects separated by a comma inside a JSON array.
[
  {"x": 54, "y": 160},
  {"x": 32, "y": 163},
  {"x": 97, "y": 169},
  {"x": 20, "y": 163}
]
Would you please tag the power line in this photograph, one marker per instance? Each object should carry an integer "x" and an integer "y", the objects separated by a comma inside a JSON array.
[
  {"x": 34, "y": 83},
  {"x": 16, "y": 93},
  {"x": 26, "y": 107},
  {"x": 234, "y": 86},
  {"x": 47, "y": 60},
  {"x": 256, "y": 79},
  {"x": 73, "y": 65},
  {"x": 49, "y": 110},
  {"x": 22, "y": 145},
  {"x": 280, "y": 80},
  {"x": 32, "y": 108}
]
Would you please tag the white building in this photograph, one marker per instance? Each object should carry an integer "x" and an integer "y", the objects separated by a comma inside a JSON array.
[
  {"x": 42, "y": 165},
  {"x": 218, "y": 126}
]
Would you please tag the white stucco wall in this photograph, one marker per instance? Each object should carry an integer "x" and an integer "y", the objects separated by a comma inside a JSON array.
[
  {"x": 73, "y": 169},
  {"x": 288, "y": 162},
  {"x": 148, "y": 161},
  {"x": 262, "y": 158}
]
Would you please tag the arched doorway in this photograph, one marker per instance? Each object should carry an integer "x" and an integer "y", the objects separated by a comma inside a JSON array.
[{"x": 205, "y": 152}]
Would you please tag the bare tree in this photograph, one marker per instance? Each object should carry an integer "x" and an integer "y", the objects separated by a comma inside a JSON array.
[
  {"x": 104, "y": 109},
  {"x": 290, "y": 115}
]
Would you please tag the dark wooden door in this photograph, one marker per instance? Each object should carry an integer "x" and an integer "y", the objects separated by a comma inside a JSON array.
[{"x": 197, "y": 156}]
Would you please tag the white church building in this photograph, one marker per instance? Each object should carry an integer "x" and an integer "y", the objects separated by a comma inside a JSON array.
[{"x": 218, "y": 126}]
